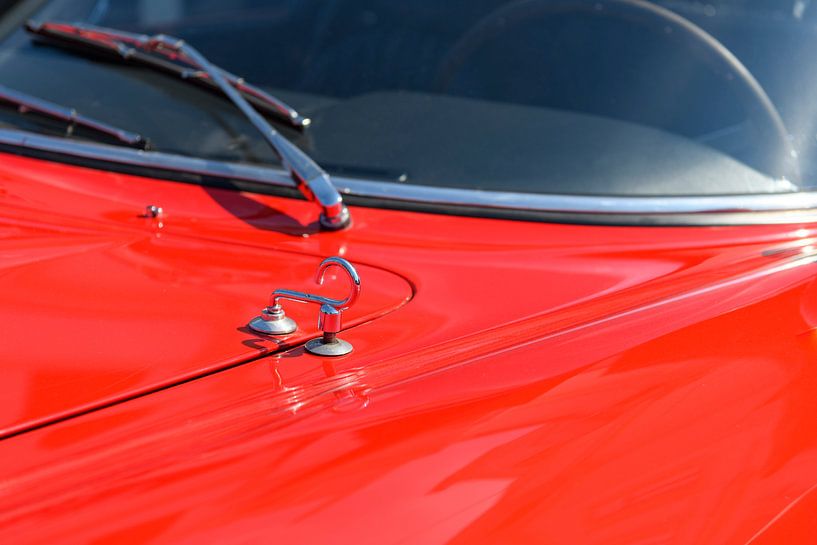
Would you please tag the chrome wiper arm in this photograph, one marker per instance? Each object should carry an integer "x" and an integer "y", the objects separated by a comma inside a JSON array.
[
  {"x": 135, "y": 48},
  {"x": 312, "y": 181},
  {"x": 26, "y": 103}
]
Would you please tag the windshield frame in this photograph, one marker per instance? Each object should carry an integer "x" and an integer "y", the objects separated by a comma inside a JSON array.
[
  {"x": 693, "y": 210},
  {"x": 753, "y": 209}
]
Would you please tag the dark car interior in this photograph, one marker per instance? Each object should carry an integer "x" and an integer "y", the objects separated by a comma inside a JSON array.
[{"x": 489, "y": 82}]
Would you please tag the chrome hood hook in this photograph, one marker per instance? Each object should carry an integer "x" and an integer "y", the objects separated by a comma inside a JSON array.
[{"x": 274, "y": 321}]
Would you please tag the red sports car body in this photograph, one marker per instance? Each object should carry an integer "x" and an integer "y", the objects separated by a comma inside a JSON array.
[
  {"x": 582, "y": 233},
  {"x": 512, "y": 382}
]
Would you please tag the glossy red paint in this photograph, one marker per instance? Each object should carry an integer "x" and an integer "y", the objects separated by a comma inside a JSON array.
[
  {"x": 99, "y": 313},
  {"x": 546, "y": 383}
]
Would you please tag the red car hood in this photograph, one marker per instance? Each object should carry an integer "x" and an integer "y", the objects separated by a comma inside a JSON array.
[
  {"x": 546, "y": 383},
  {"x": 93, "y": 312}
]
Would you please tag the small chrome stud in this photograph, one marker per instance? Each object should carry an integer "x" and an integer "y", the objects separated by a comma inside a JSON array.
[{"x": 273, "y": 321}]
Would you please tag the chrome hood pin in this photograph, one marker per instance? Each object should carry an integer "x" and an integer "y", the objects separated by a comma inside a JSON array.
[{"x": 274, "y": 321}]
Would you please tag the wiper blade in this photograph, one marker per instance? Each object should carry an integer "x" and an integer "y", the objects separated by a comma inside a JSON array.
[
  {"x": 136, "y": 48},
  {"x": 26, "y": 103},
  {"x": 312, "y": 181}
]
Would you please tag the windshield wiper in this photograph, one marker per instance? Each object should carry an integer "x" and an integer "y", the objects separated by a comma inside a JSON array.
[
  {"x": 26, "y": 103},
  {"x": 137, "y": 49},
  {"x": 311, "y": 180}
]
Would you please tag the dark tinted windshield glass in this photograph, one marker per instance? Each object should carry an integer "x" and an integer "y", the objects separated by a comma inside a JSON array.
[{"x": 604, "y": 97}]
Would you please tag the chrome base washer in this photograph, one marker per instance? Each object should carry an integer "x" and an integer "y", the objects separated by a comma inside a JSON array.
[{"x": 337, "y": 347}]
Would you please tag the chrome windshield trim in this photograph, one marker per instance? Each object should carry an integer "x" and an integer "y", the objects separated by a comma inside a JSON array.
[
  {"x": 498, "y": 200},
  {"x": 579, "y": 204},
  {"x": 147, "y": 159}
]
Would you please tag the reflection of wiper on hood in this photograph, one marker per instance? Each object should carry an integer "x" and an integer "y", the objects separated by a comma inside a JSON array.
[
  {"x": 312, "y": 181},
  {"x": 136, "y": 48},
  {"x": 26, "y": 103}
]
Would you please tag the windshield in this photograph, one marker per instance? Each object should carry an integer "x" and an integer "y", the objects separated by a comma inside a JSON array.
[{"x": 576, "y": 97}]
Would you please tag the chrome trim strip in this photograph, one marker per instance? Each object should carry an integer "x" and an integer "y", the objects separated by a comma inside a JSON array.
[
  {"x": 147, "y": 159},
  {"x": 579, "y": 204},
  {"x": 575, "y": 204}
]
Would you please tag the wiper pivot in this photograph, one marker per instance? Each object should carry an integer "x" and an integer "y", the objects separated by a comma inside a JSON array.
[{"x": 311, "y": 180}]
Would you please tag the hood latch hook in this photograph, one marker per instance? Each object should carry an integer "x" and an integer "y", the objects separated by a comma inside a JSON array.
[{"x": 274, "y": 321}]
